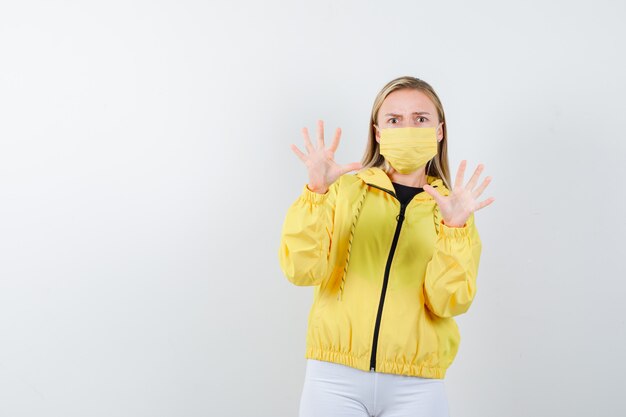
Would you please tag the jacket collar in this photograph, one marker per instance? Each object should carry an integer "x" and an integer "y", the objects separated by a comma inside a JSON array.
[{"x": 375, "y": 176}]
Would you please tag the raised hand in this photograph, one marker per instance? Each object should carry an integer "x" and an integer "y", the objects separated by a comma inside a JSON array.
[
  {"x": 462, "y": 201},
  {"x": 320, "y": 162}
]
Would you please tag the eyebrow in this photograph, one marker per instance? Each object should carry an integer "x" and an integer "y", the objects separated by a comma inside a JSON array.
[{"x": 415, "y": 112}]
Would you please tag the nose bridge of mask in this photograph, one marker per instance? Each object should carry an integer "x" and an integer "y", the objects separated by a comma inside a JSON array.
[{"x": 409, "y": 133}]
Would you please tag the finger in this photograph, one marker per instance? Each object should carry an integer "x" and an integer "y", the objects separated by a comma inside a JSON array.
[
  {"x": 485, "y": 203},
  {"x": 320, "y": 134},
  {"x": 307, "y": 140},
  {"x": 458, "y": 182},
  {"x": 350, "y": 167},
  {"x": 299, "y": 154},
  {"x": 472, "y": 182},
  {"x": 333, "y": 146},
  {"x": 434, "y": 193},
  {"x": 476, "y": 193}
]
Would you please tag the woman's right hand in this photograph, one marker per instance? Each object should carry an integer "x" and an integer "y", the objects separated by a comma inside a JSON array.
[{"x": 323, "y": 170}]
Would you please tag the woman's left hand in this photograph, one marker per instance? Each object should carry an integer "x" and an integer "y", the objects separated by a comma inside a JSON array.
[{"x": 462, "y": 201}]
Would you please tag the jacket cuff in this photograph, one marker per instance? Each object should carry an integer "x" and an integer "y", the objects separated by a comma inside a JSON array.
[
  {"x": 453, "y": 232},
  {"x": 312, "y": 196}
]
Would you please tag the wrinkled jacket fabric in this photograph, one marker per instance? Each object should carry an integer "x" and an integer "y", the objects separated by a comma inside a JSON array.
[{"x": 346, "y": 244}]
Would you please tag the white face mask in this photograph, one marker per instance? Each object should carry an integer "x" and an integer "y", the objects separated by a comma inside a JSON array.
[{"x": 408, "y": 148}]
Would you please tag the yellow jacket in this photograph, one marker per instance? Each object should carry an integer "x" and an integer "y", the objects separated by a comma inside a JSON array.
[{"x": 388, "y": 278}]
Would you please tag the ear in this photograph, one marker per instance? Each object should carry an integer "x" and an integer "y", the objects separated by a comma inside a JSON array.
[
  {"x": 376, "y": 133},
  {"x": 440, "y": 132}
]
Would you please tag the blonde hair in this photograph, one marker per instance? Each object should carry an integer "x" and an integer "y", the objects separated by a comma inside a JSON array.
[{"x": 436, "y": 167}]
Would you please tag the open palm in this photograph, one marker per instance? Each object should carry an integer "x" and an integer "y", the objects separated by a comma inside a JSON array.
[
  {"x": 462, "y": 200},
  {"x": 320, "y": 161}
]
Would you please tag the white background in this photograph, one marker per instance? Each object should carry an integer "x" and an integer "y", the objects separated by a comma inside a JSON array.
[{"x": 145, "y": 172}]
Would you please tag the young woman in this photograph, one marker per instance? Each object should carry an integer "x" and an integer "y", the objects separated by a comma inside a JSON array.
[{"x": 393, "y": 254}]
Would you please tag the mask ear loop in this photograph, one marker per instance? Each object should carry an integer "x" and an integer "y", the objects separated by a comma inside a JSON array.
[
  {"x": 386, "y": 166},
  {"x": 429, "y": 163}
]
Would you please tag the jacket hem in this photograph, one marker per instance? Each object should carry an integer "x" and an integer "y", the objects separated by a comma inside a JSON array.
[{"x": 362, "y": 363}]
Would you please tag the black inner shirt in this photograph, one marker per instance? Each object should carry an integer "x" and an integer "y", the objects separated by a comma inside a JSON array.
[{"x": 406, "y": 193}]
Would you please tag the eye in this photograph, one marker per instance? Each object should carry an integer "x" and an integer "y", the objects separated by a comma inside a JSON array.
[
  {"x": 422, "y": 118},
  {"x": 393, "y": 118}
]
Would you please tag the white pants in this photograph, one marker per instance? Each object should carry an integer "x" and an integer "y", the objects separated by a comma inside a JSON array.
[{"x": 335, "y": 390}]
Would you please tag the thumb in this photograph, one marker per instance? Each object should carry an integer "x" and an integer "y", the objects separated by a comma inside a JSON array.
[
  {"x": 351, "y": 167},
  {"x": 433, "y": 192}
]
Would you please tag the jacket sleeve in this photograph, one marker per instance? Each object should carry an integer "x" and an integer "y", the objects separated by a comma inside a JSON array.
[
  {"x": 306, "y": 236},
  {"x": 450, "y": 283}
]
